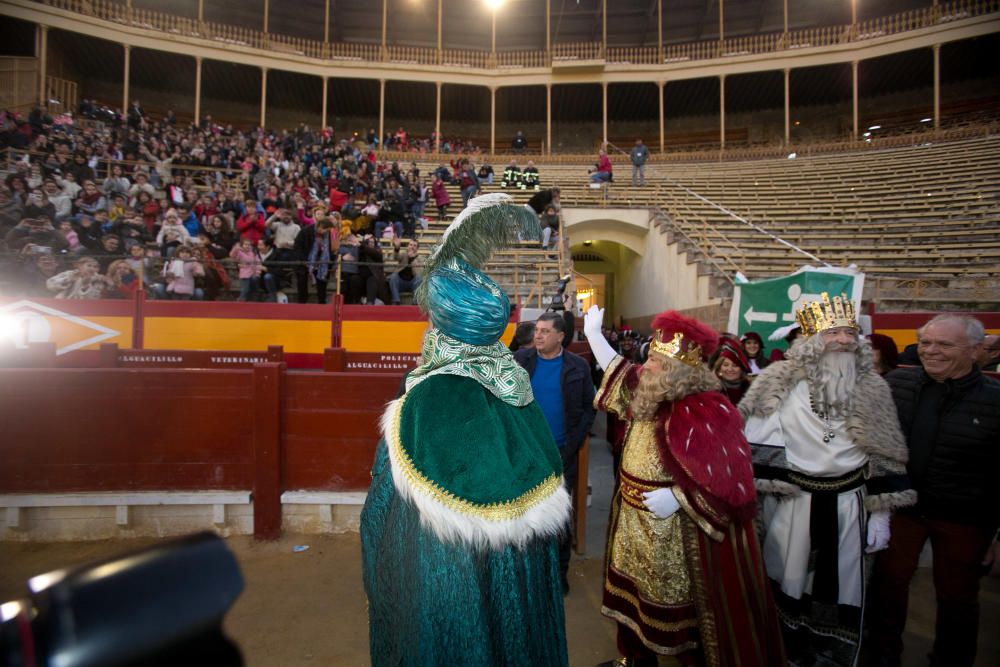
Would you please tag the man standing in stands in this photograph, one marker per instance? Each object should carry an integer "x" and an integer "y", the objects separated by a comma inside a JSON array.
[
  {"x": 560, "y": 381},
  {"x": 948, "y": 411},
  {"x": 684, "y": 573},
  {"x": 829, "y": 457},
  {"x": 639, "y": 156}
]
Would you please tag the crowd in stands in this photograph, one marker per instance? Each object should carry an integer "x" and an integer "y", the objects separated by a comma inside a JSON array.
[{"x": 122, "y": 203}]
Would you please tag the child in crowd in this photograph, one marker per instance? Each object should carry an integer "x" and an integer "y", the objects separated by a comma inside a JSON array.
[
  {"x": 180, "y": 273},
  {"x": 250, "y": 266},
  {"x": 440, "y": 193}
]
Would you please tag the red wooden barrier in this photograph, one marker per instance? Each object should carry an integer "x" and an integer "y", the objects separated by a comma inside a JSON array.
[
  {"x": 155, "y": 429},
  {"x": 330, "y": 428},
  {"x": 71, "y": 430},
  {"x": 113, "y": 357}
]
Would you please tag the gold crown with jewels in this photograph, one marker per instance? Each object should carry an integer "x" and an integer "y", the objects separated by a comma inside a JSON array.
[
  {"x": 675, "y": 349},
  {"x": 818, "y": 316}
]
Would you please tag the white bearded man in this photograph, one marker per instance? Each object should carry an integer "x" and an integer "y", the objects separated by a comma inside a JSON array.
[
  {"x": 684, "y": 575},
  {"x": 830, "y": 463}
]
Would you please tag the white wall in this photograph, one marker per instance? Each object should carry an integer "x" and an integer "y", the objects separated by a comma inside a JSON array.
[{"x": 651, "y": 276}]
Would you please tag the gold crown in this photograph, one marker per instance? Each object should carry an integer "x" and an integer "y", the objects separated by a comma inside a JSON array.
[
  {"x": 818, "y": 316},
  {"x": 675, "y": 349}
]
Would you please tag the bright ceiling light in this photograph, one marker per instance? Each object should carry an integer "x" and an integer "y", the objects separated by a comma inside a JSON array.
[
  {"x": 926, "y": 120},
  {"x": 494, "y": 4},
  {"x": 875, "y": 127}
]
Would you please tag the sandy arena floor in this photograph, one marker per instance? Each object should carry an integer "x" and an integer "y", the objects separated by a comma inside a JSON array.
[{"x": 309, "y": 608}]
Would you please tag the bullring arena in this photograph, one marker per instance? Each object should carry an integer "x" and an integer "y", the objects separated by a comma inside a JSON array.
[{"x": 241, "y": 393}]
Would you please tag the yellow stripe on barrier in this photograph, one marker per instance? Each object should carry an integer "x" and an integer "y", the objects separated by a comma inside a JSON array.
[{"x": 197, "y": 333}]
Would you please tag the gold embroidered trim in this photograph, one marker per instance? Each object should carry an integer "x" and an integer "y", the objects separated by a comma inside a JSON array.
[
  {"x": 651, "y": 622},
  {"x": 707, "y": 629},
  {"x": 505, "y": 511},
  {"x": 652, "y": 646},
  {"x": 696, "y": 517},
  {"x": 610, "y": 397}
]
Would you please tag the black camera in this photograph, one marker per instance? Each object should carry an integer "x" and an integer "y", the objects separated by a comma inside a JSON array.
[{"x": 160, "y": 606}]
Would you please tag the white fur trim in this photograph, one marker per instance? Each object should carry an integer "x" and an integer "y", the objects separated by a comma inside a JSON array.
[{"x": 547, "y": 518}]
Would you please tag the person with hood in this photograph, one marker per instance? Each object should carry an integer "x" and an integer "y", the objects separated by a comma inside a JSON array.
[{"x": 731, "y": 367}]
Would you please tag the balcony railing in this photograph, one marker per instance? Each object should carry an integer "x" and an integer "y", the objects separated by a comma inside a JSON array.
[{"x": 465, "y": 58}]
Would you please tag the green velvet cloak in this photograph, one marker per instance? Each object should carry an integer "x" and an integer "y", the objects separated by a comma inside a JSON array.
[{"x": 459, "y": 532}]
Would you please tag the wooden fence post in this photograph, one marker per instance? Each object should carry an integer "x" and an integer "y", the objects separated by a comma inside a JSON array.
[{"x": 267, "y": 389}]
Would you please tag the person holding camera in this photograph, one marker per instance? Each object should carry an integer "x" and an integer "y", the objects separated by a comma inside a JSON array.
[
  {"x": 602, "y": 172},
  {"x": 405, "y": 278},
  {"x": 83, "y": 281}
]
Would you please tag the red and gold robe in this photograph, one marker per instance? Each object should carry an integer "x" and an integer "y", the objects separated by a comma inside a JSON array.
[{"x": 694, "y": 581}]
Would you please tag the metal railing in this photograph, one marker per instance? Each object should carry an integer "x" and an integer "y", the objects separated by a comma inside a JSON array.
[{"x": 468, "y": 58}]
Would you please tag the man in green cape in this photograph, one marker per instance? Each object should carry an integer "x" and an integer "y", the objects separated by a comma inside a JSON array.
[{"x": 460, "y": 529}]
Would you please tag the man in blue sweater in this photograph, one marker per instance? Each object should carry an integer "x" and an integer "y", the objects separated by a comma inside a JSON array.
[{"x": 560, "y": 381}]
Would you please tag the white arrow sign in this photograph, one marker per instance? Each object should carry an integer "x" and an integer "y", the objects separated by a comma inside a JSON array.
[{"x": 752, "y": 317}]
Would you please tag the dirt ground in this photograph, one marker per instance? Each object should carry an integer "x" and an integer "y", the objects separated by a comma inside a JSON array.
[{"x": 309, "y": 608}]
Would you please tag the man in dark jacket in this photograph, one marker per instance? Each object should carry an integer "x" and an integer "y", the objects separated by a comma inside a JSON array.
[
  {"x": 950, "y": 415},
  {"x": 560, "y": 381}
]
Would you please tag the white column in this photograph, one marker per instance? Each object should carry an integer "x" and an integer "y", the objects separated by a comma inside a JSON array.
[
  {"x": 937, "y": 86},
  {"x": 326, "y": 25},
  {"x": 788, "y": 107},
  {"x": 263, "y": 97},
  {"x": 604, "y": 112},
  {"x": 854, "y": 94},
  {"x": 381, "y": 114},
  {"x": 128, "y": 64},
  {"x": 722, "y": 108},
  {"x": 663, "y": 139},
  {"x": 493, "y": 119},
  {"x": 326, "y": 83},
  {"x": 42, "y": 48},
  {"x": 548, "y": 118},
  {"x": 437, "y": 120},
  {"x": 197, "y": 89}
]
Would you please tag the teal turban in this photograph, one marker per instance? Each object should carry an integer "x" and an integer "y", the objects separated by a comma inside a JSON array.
[
  {"x": 460, "y": 300},
  {"x": 465, "y": 304}
]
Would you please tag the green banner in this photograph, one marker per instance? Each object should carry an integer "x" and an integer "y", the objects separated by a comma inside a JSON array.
[{"x": 764, "y": 306}]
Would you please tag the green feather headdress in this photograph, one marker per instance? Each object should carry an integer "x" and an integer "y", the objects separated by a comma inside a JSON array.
[{"x": 489, "y": 222}]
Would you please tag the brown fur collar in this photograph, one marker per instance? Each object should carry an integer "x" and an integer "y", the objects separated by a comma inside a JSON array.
[{"x": 872, "y": 423}]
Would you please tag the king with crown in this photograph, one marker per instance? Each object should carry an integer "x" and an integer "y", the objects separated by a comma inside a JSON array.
[
  {"x": 830, "y": 464},
  {"x": 683, "y": 572}
]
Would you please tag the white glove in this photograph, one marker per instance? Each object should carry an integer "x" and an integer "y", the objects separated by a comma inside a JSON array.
[
  {"x": 661, "y": 502},
  {"x": 604, "y": 354},
  {"x": 878, "y": 531},
  {"x": 593, "y": 320}
]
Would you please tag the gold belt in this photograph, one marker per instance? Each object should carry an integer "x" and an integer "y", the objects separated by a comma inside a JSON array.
[{"x": 633, "y": 489}]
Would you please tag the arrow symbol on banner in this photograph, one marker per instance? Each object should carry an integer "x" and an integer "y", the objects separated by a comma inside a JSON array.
[{"x": 752, "y": 317}]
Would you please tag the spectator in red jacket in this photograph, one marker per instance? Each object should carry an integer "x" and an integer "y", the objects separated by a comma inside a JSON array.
[
  {"x": 251, "y": 224},
  {"x": 602, "y": 174}
]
